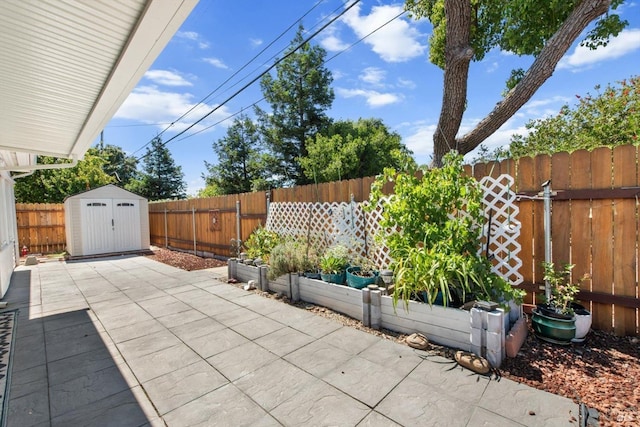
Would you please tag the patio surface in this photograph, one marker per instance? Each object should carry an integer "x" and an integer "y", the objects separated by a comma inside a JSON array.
[{"x": 127, "y": 341}]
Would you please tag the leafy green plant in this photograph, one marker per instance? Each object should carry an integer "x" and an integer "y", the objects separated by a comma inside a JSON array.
[
  {"x": 431, "y": 225},
  {"x": 563, "y": 292},
  {"x": 335, "y": 260},
  {"x": 261, "y": 242},
  {"x": 289, "y": 257}
]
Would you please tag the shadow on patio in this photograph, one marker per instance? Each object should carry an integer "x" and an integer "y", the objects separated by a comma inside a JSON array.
[{"x": 63, "y": 372}]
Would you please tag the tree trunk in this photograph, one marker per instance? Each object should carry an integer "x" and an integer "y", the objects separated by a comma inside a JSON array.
[
  {"x": 458, "y": 55},
  {"x": 541, "y": 69}
]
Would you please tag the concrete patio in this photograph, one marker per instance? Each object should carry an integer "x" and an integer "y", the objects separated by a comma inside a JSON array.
[{"x": 127, "y": 341}]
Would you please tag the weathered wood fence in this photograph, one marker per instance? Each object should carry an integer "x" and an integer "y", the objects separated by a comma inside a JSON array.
[
  {"x": 594, "y": 223},
  {"x": 41, "y": 227}
]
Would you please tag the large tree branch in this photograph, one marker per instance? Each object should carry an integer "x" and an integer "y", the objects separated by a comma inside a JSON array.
[
  {"x": 458, "y": 54},
  {"x": 541, "y": 69}
]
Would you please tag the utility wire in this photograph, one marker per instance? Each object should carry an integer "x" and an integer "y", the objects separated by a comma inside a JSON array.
[
  {"x": 252, "y": 81},
  {"x": 323, "y": 63},
  {"x": 232, "y": 75}
]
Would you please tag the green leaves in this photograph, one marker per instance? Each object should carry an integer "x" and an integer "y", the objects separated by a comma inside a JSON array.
[
  {"x": 348, "y": 149},
  {"x": 160, "y": 178},
  {"x": 608, "y": 118}
]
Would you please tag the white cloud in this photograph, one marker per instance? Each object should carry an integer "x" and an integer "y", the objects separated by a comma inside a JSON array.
[
  {"x": 148, "y": 104},
  {"x": 492, "y": 66},
  {"x": 193, "y": 36},
  {"x": 545, "y": 107},
  {"x": 166, "y": 78},
  {"x": 409, "y": 84},
  {"x": 331, "y": 42},
  {"x": 189, "y": 35},
  {"x": 216, "y": 63},
  {"x": 420, "y": 141},
  {"x": 397, "y": 41},
  {"x": 372, "y": 97},
  {"x": 255, "y": 42},
  {"x": 582, "y": 57},
  {"x": 373, "y": 75},
  {"x": 419, "y": 137}
]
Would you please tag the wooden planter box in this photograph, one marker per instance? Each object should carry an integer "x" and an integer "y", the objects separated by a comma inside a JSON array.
[
  {"x": 340, "y": 298},
  {"x": 477, "y": 331},
  {"x": 443, "y": 325}
]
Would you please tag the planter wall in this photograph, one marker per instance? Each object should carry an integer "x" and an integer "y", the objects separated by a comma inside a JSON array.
[
  {"x": 281, "y": 285},
  {"x": 445, "y": 326},
  {"x": 244, "y": 273},
  {"x": 452, "y": 327},
  {"x": 340, "y": 298}
]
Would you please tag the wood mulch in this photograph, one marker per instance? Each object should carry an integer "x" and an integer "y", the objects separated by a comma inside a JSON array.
[{"x": 603, "y": 372}]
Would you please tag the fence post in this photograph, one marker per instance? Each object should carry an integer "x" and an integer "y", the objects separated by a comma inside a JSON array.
[
  {"x": 263, "y": 281},
  {"x": 268, "y": 196},
  {"x": 376, "y": 310},
  {"x": 294, "y": 287},
  {"x": 366, "y": 307},
  {"x": 193, "y": 220},
  {"x": 238, "y": 235},
  {"x": 166, "y": 237}
]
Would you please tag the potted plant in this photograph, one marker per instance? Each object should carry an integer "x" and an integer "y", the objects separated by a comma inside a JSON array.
[
  {"x": 311, "y": 262},
  {"x": 432, "y": 229},
  {"x": 555, "y": 320},
  {"x": 333, "y": 264},
  {"x": 260, "y": 244},
  {"x": 288, "y": 257},
  {"x": 362, "y": 273}
]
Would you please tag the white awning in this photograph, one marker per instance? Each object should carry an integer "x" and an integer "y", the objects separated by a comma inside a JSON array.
[{"x": 68, "y": 65}]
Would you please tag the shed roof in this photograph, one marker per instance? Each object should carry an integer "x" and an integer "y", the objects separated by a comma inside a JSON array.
[{"x": 105, "y": 191}]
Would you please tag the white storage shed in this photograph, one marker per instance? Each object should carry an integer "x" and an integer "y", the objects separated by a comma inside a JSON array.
[{"x": 106, "y": 220}]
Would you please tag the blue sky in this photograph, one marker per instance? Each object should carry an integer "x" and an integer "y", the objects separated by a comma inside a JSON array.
[{"x": 386, "y": 76}]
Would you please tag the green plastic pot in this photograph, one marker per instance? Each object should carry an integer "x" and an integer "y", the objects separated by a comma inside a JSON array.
[
  {"x": 333, "y": 278},
  {"x": 359, "y": 282},
  {"x": 553, "y": 328}
]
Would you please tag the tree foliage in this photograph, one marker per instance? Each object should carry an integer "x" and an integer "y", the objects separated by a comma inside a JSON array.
[
  {"x": 117, "y": 163},
  {"x": 160, "y": 178},
  {"x": 240, "y": 166},
  {"x": 348, "y": 149},
  {"x": 54, "y": 185},
  {"x": 607, "y": 118},
  {"x": 298, "y": 95},
  {"x": 465, "y": 30}
]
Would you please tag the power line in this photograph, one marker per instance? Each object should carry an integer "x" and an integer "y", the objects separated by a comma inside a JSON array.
[
  {"x": 236, "y": 93},
  {"x": 323, "y": 63},
  {"x": 170, "y": 125}
]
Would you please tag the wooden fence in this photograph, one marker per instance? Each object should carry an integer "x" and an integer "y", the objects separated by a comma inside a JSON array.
[
  {"x": 41, "y": 227},
  {"x": 594, "y": 223}
]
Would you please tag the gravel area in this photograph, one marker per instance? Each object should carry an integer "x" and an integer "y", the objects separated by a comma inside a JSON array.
[
  {"x": 184, "y": 260},
  {"x": 603, "y": 372}
]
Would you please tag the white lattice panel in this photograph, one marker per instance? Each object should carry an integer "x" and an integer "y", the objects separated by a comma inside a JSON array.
[
  {"x": 325, "y": 224},
  {"x": 499, "y": 204}
]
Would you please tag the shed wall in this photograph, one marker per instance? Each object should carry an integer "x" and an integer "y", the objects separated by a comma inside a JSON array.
[{"x": 76, "y": 222}]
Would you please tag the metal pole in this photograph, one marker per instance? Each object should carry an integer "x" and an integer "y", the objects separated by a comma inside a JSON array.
[
  {"x": 547, "y": 232},
  {"x": 166, "y": 237},
  {"x": 268, "y": 195},
  {"x": 238, "y": 224},
  {"x": 193, "y": 219}
]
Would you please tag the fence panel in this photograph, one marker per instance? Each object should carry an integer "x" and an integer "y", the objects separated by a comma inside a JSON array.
[
  {"x": 594, "y": 223},
  {"x": 625, "y": 237},
  {"x": 41, "y": 227},
  {"x": 602, "y": 236}
]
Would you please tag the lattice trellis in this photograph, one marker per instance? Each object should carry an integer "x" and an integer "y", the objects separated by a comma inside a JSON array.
[
  {"x": 325, "y": 224},
  {"x": 499, "y": 204}
]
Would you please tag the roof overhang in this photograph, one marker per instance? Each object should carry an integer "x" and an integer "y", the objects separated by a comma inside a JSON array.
[{"x": 68, "y": 66}]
